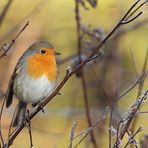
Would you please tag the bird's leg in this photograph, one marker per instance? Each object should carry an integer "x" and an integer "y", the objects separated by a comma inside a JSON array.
[
  {"x": 28, "y": 125},
  {"x": 42, "y": 107},
  {"x": 26, "y": 120},
  {"x": 39, "y": 104},
  {"x": 34, "y": 104}
]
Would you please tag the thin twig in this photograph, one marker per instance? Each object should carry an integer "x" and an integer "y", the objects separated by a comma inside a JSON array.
[
  {"x": 136, "y": 9},
  {"x": 128, "y": 121},
  {"x": 129, "y": 13},
  {"x": 132, "y": 136},
  {"x": 132, "y": 115},
  {"x": 141, "y": 84},
  {"x": 132, "y": 19},
  {"x": 87, "y": 109},
  {"x": 130, "y": 28},
  {"x": 121, "y": 22},
  {"x": 13, "y": 41},
  {"x": 72, "y": 134},
  {"x": 116, "y": 145},
  {"x": 129, "y": 89},
  {"x": 87, "y": 131},
  {"x": 133, "y": 140}
]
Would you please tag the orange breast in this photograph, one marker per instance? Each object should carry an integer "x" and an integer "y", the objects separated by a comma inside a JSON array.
[{"x": 39, "y": 65}]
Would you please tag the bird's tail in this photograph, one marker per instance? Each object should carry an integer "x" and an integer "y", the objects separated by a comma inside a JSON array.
[{"x": 19, "y": 115}]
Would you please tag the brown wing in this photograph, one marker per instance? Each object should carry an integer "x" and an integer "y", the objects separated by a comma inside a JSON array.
[{"x": 9, "y": 94}]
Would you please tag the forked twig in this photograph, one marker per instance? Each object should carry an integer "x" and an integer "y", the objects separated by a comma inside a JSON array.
[
  {"x": 129, "y": 119},
  {"x": 87, "y": 131},
  {"x": 72, "y": 134},
  {"x": 131, "y": 137},
  {"x": 84, "y": 134}
]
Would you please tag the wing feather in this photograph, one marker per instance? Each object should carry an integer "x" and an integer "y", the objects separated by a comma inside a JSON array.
[{"x": 9, "y": 93}]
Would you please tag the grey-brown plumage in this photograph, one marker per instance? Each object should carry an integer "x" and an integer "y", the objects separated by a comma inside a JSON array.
[
  {"x": 26, "y": 88},
  {"x": 21, "y": 107}
]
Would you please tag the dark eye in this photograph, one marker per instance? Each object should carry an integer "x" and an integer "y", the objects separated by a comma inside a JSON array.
[{"x": 43, "y": 51}]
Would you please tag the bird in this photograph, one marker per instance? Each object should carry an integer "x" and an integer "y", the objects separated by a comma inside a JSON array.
[{"x": 34, "y": 78}]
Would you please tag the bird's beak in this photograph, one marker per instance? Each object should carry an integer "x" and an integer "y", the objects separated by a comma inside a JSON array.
[{"x": 57, "y": 53}]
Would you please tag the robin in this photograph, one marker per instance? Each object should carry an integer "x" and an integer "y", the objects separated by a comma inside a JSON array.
[{"x": 34, "y": 78}]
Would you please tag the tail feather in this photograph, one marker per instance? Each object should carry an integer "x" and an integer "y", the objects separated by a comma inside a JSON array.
[{"x": 19, "y": 115}]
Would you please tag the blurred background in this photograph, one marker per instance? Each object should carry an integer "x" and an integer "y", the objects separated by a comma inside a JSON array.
[{"x": 113, "y": 74}]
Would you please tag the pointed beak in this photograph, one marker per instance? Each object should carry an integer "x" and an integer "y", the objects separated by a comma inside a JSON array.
[{"x": 57, "y": 53}]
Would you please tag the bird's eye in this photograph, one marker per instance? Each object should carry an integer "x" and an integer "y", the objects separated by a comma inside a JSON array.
[{"x": 43, "y": 51}]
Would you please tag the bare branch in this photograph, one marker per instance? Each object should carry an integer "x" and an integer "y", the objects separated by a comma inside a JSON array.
[
  {"x": 12, "y": 42},
  {"x": 72, "y": 134},
  {"x": 132, "y": 115},
  {"x": 129, "y": 89},
  {"x": 125, "y": 122},
  {"x": 141, "y": 84},
  {"x": 132, "y": 19},
  {"x": 128, "y": 17},
  {"x": 131, "y": 138},
  {"x": 87, "y": 131}
]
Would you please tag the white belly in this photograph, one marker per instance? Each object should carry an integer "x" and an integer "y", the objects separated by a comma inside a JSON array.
[{"x": 33, "y": 90}]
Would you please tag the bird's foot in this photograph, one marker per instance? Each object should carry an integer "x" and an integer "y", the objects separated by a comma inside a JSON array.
[{"x": 40, "y": 104}]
